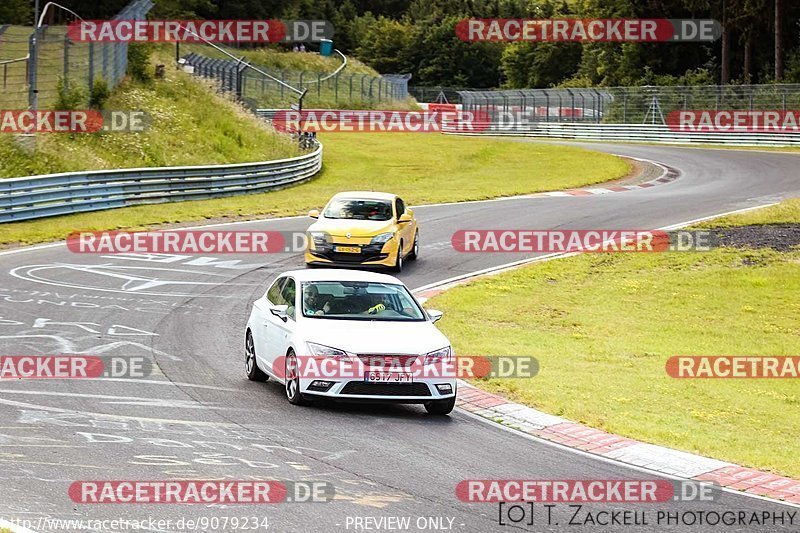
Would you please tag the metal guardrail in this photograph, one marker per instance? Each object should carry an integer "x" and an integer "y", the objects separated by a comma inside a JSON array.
[
  {"x": 651, "y": 133},
  {"x": 76, "y": 192},
  {"x": 630, "y": 105}
]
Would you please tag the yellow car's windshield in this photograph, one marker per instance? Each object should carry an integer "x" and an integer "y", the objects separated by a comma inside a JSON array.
[{"x": 380, "y": 210}]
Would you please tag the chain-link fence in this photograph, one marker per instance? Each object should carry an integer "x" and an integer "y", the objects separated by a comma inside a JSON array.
[
  {"x": 14, "y": 55},
  {"x": 435, "y": 95},
  {"x": 355, "y": 90},
  {"x": 629, "y": 105},
  {"x": 33, "y": 63}
]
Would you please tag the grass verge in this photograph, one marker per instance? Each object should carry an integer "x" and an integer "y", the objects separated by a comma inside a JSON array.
[
  {"x": 603, "y": 326},
  {"x": 423, "y": 168},
  {"x": 191, "y": 124}
]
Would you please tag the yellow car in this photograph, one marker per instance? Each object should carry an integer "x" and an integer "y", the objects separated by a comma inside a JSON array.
[{"x": 363, "y": 229}]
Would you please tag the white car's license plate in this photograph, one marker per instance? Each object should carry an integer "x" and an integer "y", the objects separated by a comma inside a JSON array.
[{"x": 387, "y": 377}]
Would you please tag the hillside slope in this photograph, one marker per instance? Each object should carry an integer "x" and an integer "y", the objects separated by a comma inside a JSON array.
[{"x": 190, "y": 124}]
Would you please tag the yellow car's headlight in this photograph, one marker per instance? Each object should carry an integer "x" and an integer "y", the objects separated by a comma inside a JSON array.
[
  {"x": 383, "y": 238},
  {"x": 319, "y": 237}
]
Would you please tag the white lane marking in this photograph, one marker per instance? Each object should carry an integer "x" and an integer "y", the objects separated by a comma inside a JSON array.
[
  {"x": 295, "y": 217},
  {"x": 130, "y": 283},
  {"x": 508, "y": 266},
  {"x": 67, "y": 346},
  {"x": 39, "y": 446},
  {"x": 710, "y": 217},
  {"x": 165, "y": 382},
  {"x": 125, "y": 400},
  {"x": 515, "y": 264},
  {"x": 49, "y": 409},
  {"x": 611, "y": 461},
  {"x": 492, "y": 270}
]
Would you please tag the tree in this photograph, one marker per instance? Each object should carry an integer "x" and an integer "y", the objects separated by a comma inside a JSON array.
[
  {"x": 539, "y": 65},
  {"x": 385, "y": 46},
  {"x": 16, "y": 12}
]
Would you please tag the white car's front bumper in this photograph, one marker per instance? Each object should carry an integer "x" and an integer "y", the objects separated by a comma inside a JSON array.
[{"x": 419, "y": 391}]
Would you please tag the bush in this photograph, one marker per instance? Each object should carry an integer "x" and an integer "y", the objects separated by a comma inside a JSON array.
[
  {"x": 70, "y": 96},
  {"x": 99, "y": 94},
  {"x": 139, "y": 62}
]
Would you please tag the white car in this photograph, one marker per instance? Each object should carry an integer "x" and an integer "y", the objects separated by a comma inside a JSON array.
[{"x": 349, "y": 335}]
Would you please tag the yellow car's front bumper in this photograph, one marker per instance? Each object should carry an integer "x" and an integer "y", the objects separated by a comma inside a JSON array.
[{"x": 370, "y": 254}]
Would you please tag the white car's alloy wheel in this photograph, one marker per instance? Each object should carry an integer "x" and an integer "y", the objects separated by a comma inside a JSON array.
[
  {"x": 293, "y": 381},
  {"x": 251, "y": 367}
]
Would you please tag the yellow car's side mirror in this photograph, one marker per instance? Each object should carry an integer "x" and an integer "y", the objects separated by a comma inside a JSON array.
[
  {"x": 405, "y": 217},
  {"x": 314, "y": 213}
]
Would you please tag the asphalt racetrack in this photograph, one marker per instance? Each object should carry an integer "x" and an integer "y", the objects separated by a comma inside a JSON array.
[{"x": 198, "y": 417}]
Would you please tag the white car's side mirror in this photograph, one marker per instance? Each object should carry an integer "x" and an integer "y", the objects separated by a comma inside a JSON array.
[
  {"x": 280, "y": 311},
  {"x": 434, "y": 315}
]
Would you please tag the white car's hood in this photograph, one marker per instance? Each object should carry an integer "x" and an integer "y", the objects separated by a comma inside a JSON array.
[{"x": 375, "y": 336}]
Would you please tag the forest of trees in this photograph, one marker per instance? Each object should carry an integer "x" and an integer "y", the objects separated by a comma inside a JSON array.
[{"x": 760, "y": 42}]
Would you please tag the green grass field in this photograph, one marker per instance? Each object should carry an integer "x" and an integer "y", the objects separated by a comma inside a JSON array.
[
  {"x": 191, "y": 124},
  {"x": 422, "y": 167},
  {"x": 603, "y": 326}
]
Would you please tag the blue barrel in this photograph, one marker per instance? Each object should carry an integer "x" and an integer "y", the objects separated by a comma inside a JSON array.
[{"x": 325, "y": 47}]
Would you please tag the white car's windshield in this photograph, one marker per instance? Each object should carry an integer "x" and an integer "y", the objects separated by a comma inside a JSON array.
[
  {"x": 359, "y": 300},
  {"x": 359, "y": 209}
]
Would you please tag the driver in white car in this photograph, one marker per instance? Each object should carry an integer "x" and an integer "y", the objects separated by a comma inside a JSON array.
[{"x": 312, "y": 302}]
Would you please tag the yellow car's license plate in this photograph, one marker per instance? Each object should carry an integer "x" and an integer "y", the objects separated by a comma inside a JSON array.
[{"x": 348, "y": 249}]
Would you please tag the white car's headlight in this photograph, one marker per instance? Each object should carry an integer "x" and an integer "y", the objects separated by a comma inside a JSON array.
[
  {"x": 383, "y": 238},
  {"x": 442, "y": 354},
  {"x": 320, "y": 350}
]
